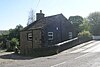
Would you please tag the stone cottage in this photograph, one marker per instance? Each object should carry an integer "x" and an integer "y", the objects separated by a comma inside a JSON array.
[{"x": 45, "y": 32}]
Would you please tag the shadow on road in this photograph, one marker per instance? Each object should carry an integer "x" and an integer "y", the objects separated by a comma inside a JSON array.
[{"x": 15, "y": 57}]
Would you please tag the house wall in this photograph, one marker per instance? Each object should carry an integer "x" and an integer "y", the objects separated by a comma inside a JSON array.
[
  {"x": 25, "y": 44},
  {"x": 66, "y": 27},
  {"x": 60, "y": 28},
  {"x": 37, "y": 38}
]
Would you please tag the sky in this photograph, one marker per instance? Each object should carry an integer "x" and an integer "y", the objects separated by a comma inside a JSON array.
[{"x": 15, "y": 12}]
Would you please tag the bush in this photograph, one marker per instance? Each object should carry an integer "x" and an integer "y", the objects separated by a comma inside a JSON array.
[
  {"x": 1, "y": 44},
  {"x": 13, "y": 43},
  {"x": 85, "y": 35}
]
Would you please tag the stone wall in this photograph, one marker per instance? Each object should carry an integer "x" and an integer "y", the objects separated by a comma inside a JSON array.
[{"x": 25, "y": 44}]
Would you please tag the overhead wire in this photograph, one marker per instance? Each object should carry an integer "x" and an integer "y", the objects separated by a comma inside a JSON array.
[{"x": 37, "y": 5}]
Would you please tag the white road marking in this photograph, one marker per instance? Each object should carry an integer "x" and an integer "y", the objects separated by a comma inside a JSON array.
[
  {"x": 76, "y": 51},
  {"x": 92, "y": 44},
  {"x": 65, "y": 61},
  {"x": 81, "y": 49},
  {"x": 85, "y": 47},
  {"x": 58, "y": 64},
  {"x": 78, "y": 47},
  {"x": 81, "y": 56},
  {"x": 94, "y": 49}
]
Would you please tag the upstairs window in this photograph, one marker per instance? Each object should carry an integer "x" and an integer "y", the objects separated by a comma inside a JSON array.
[
  {"x": 29, "y": 36},
  {"x": 50, "y": 35}
]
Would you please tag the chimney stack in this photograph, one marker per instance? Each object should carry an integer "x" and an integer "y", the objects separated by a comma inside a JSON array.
[{"x": 39, "y": 15}]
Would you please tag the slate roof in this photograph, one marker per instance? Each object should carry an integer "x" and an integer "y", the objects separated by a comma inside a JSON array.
[{"x": 48, "y": 19}]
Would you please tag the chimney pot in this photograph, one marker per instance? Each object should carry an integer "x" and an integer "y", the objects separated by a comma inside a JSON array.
[{"x": 40, "y": 11}]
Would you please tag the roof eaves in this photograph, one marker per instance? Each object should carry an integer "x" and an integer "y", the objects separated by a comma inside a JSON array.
[{"x": 30, "y": 25}]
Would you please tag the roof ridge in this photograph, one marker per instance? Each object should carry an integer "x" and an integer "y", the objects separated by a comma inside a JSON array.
[{"x": 53, "y": 15}]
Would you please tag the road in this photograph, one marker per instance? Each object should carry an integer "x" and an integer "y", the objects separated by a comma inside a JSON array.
[{"x": 83, "y": 55}]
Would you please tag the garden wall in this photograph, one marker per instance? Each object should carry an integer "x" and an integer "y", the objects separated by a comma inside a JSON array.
[{"x": 46, "y": 51}]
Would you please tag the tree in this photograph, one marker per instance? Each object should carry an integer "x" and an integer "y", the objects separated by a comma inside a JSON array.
[
  {"x": 3, "y": 39},
  {"x": 94, "y": 17},
  {"x": 17, "y": 30},
  {"x": 94, "y": 20},
  {"x": 13, "y": 37},
  {"x": 31, "y": 17},
  {"x": 14, "y": 33},
  {"x": 85, "y": 26},
  {"x": 76, "y": 21}
]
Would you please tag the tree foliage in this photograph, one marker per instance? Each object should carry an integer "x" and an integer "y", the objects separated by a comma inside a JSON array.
[
  {"x": 76, "y": 21},
  {"x": 94, "y": 20},
  {"x": 85, "y": 26},
  {"x": 14, "y": 33},
  {"x": 13, "y": 37},
  {"x": 3, "y": 39},
  {"x": 85, "y": 35}
]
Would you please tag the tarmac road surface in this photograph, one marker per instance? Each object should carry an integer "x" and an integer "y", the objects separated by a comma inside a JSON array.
[{"x": 83, "y": 55}]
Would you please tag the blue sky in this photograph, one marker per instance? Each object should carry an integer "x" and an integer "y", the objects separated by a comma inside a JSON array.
[{"x": 14, "y": 12}]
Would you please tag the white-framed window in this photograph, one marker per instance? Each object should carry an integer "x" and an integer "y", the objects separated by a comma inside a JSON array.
[
  {"x": 50, "y": 35},
  {"x": 29, "y": 36},
  {"x": 70, "y": 35}
]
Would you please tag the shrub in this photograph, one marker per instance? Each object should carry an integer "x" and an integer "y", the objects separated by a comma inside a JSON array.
[
  {"x": 13, "y": 43},
  {"x": 1, "y": 44},
  {"x": 85, "y": 35}
]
